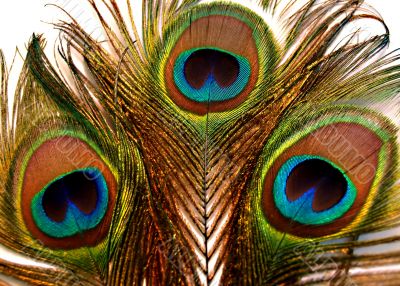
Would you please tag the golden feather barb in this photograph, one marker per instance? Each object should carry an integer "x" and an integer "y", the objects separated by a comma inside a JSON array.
[{"x": 205, "y": 148}]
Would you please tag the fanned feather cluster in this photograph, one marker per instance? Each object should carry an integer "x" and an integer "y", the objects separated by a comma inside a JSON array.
[{"x": 212, "y": 146}]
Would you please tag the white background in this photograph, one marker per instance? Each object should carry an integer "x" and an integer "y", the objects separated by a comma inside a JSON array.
[{"x": 20, "y": 18}]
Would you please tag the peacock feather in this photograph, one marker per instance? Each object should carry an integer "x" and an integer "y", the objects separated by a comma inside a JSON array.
[{"x": 207, "y": 144}]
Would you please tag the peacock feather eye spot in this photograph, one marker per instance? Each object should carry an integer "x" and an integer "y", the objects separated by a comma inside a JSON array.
[
  {"x": 327, "y": 182},
  {"x": 67, "y": 198},
  {"x": 211, "y": 75},
  {"x": 319, "y": 183},
  {"x": 215, "y": 59},
  {"x": 76, "y": 188}
]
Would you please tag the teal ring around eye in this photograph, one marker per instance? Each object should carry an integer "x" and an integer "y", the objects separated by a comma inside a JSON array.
[
  {"x": 301, "y": 209},
  {"x": 211, "y": 91},
  {"x": 75, "y": 220}
]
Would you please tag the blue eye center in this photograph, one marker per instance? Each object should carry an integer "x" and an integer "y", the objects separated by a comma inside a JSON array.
[
  {"x": 312, "y": 190},
  {"x": 207, "y": 65},
  {"x": 211, "y": 75},
  {"x": 72, "y": 203},
  {"x": 327, "y": 182},
  {"x": 76, "y": 188}
]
